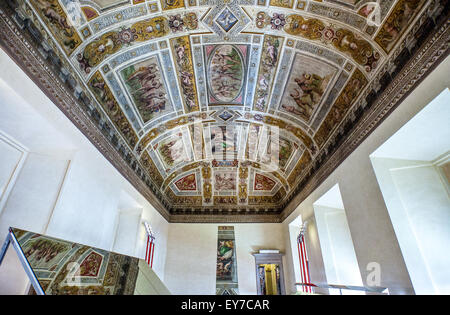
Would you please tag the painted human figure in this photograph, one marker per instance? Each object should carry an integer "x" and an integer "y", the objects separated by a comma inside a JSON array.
[
  {"x": 400, "y": 20},
  {"x": 225, "y": 258},
  {"x": 50, "y": 12},
  {"x": 307, "y": 95}
]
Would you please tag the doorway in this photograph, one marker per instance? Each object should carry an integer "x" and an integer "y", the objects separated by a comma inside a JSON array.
[
  {"x": 269, "y": 279},
  {"x": 269, "y": 274}
]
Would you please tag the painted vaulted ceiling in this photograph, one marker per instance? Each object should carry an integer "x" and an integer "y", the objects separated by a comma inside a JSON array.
[{"x": 204, "y": 95}]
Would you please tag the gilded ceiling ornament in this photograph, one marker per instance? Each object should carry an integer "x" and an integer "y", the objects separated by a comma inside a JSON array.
[
  {"x": 187, "y": 183},
  {"x": 314, "y": 29},
  {"x": 397, "y": 22},
  {"x": 183, "y": 200},
  {"x": 150, "y": 29},
  {"x": 207, "y": 192},
  {"x": 262, "y": 19},
  {"x": 190, "y": 20},
  {"x": 269, "y": 62},
  {"x": 277, "y": 21},
  {"x": 242, "y": 193},
  {"x": 181, "y": 49},
  {"x": 168, "y": 180},
  {"x": 309, "y": 28},
  {"x": 126, "y": 36},
  {"x": 206, "y": 172},
  {"x": 89, "y": 13},
  {"x": 106, "y": 99},
  {"x": 304, "y": 161},
  {"x": 207, "y": 186},
  {"x": 344, "y": 102},
  {"x": 176, "y": 23},
  {"x": 242, "y": 188},
  {"x": 268, "y": 200},
  {"x": 150, "y": 166},
  {"x": 172, "y": 4},
  {"x": 113, "y": 41},
  {"x": 243, "y": 172},
  {"x": 359, "y": 49},
  {"x": 97, "y": 50},
  {"x": 225, "y": 200},
  {"x": 225, "y": 163},
  {"x": 56, "y": 19},
  {"x": 280, "y": 178},
  {"x": 282, "y": 3}
]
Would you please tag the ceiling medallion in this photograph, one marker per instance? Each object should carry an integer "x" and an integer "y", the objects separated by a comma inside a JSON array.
[
  {"x": 226, "y": 19},
  {"x": 225, "y": 115}
]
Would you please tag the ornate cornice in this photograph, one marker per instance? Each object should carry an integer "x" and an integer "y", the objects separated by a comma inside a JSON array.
[{"x": 229, "y": 218}]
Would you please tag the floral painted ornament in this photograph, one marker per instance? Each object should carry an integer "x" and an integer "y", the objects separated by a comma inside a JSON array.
[
  {"x": 261, "y": 19},
  {"x": 278, "y": 21},
  {"x": 176, "y": 23},
  {"x": 126, "y": 36}
]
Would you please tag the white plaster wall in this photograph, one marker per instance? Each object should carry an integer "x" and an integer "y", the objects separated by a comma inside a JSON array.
[
  {"x": 191, "y": 259},
  {"x": 428, "y": 207},
  {"x": 159, "y": 226},
  {"x": 372, "y": 233},
  {"x": 127, "y": 231},
  {"x": 251, "y": 238},
  {"x": 294, "y": 230},
  {"x": 191, "y": 255},
  {"x": 13, "y": 279},
  {"x": 88, "y": 203},
  {"x": 341, "y": 265},
  {"x": 34, "y": 194},
  {"x": 416, "y": 193},
  {"x": 405, "y": 234},
  {"x": 419, "y": 208},
  {"x": 12, "y": 160},
  {"x": 9, "y": 160},
  {"x": 326, "y": 248},
  {"x": 160, "y": 229}
]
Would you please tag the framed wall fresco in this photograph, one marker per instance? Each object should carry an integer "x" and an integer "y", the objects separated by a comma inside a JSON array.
[
  {"x": 308, "y": 83},
  {"x": 226, "y": 269},
  {"x": 226, "y": 74},
  {"x": 147, "y": 89}
]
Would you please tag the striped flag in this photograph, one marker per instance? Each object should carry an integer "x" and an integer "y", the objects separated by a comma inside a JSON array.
[
  {"x": 150, "y": 250},
  {"x": 303, "y": 259}
]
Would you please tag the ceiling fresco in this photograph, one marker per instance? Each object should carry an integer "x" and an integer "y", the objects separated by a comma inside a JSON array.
[{"x": 224, "y": 105}]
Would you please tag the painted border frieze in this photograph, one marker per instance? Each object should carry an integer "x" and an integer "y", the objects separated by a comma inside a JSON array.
[{"x": 181, "y": 50}]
